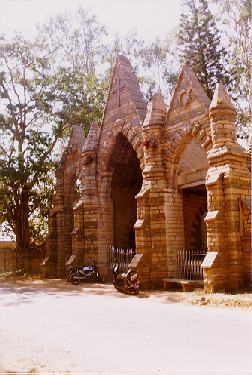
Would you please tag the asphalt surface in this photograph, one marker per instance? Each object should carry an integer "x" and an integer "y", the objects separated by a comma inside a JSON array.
[{"x": 92, "y": 329}]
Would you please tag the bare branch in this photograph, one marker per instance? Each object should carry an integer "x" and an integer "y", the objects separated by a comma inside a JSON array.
[{"x": 12, "y": 79}]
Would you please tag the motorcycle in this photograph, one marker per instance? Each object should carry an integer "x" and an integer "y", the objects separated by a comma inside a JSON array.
[
  {"x": 85, "y": 274},
  {"x": 126, "y": 282}
]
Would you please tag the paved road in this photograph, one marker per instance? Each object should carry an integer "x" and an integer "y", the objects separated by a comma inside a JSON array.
[{"x": 92, "y": 329}]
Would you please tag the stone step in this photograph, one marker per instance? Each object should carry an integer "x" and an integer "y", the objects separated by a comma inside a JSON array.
[{"x": 187, "y": 285}]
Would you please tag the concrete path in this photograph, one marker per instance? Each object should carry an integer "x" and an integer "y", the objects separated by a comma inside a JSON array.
[{"x": 56, "y": 327}]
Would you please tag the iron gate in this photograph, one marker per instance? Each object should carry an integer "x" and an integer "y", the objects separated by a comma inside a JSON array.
[
  {"x": 123, "y": 257},
  {"x": 189, "y": 264}
]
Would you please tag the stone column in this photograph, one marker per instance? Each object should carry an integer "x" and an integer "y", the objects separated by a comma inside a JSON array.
[
  {"x": 150, "y": 226},
  {"x": 53, "y": 264},
  {"x": 174, "y": 222},
  {"x": 228, "y": 181},
  {"x": 105, "y": 221},
  {"x": 87, "y": 209}
]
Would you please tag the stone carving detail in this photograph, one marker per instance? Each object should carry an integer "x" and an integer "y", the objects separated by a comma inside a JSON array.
[{"x": 185, "y": 97}]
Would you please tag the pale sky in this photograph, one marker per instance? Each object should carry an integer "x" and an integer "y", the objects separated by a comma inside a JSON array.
[{"x": 151, "y": 18}]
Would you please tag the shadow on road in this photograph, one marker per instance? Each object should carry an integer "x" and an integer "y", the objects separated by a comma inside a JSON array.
[{"x": 16, "y": 291}]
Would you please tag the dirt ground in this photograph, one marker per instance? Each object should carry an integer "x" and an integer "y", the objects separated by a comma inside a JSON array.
[{"x": 51, "y": 326}]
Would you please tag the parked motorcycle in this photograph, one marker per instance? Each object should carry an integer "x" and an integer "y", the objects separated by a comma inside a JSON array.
[
  {"x": 126, "y": 282},
  {"x": 85, "y": 274}
]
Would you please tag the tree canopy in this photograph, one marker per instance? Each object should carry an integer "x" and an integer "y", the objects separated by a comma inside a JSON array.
[{"x": 42, "y": 94}]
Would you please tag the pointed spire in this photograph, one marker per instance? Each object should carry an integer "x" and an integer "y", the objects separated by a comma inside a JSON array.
[
  {"x": 158, "y": 102},
  {"x": 222, "y": 119},
  {"x": 92, "y": 137},
  {"x": 120, "y": 59},
  {"x": 77, "y": 137},
  {"x": 221, "y": 98},
  {"x": 187, "y": 95},
  {"x": 124, "y": 92},
  {"x": 196, "y": 85},
  {"x": 156, "y": 113}
]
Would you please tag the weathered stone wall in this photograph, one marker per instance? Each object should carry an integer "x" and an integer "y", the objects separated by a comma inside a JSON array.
[
  {"x": 8, "y": 256},
  {"x": 245, "y": 229},
  {"x": 10, "y": 262},
  {"x": 61, "y": 220}
]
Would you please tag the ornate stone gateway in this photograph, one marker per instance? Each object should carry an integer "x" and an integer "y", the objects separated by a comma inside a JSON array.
[{"x": 164, "y": 182}]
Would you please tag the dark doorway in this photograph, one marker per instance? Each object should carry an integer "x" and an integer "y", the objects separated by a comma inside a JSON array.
[
  {"x": 194, "y": 210},
  {"x": 126, "y": 183}
]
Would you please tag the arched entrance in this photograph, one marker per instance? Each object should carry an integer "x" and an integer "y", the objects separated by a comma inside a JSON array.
[
  {"x": 192, "y": 169},
  {"x": 125, "y": 184}
]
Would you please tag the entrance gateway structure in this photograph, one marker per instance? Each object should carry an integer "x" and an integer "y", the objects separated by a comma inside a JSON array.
[{"x": 171, "y": 184}]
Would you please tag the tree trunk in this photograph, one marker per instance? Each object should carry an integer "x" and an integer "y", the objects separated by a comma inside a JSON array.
[{"x": 22, "y": 229}]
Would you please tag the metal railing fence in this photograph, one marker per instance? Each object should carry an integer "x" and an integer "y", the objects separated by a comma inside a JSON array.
[
  {"x": 121, "y": 256},
  {"x": 189, "y": 264}
]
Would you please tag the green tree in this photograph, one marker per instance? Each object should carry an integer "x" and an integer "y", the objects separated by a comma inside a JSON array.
[
  {"x": 26, "y": 94},
  {"x": 78, "y": 42},
  {"x": 162, "y": 63},
  {"x": 46, "y": 86},
  {"x": 39, "y": 103},
  {"x": 200, "y": 45},
  {"x": 78, "y": 39}
]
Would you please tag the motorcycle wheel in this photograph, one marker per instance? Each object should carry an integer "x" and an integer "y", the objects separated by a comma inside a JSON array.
[
  {"x": 74, "y": 278},
  {"x": 99, "y": 279},
  {"x": 136, "y": 291},
  {"x": 69, "y": 277}
]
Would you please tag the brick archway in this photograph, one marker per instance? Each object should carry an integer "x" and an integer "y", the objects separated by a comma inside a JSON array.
[
  {"x": 61, "y": 221},
  {"x": 126, "y": 182},
  {"x": 179, "y": 140},
  {"x": 132, "y": 133},
  {"x": 109, "y": 190}
]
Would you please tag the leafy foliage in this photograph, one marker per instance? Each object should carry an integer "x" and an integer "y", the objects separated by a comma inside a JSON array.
[
  {"x": 42, "y": 95},
  {"x": 28, "y": 106}
]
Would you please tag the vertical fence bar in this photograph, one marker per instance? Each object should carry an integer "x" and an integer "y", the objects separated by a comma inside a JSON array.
[
  {"x": 189, "y": 264},
  {"x": 121, "y": 256}
]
